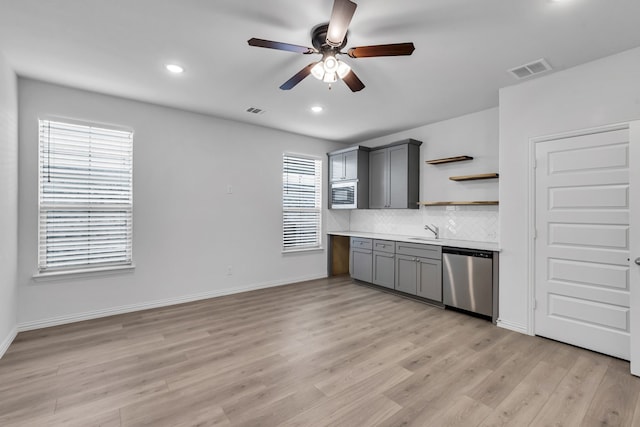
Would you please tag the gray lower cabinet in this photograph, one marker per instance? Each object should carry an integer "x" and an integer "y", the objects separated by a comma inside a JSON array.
[
  {"x": 412, "y": 268},
  {"x": 361, "y": 259},
  {"x": 419, "y": 270},
  {"x": 406, "y": 274},
  {"x": 430, "y": 279},
  {"x": 384, "y": 263}
]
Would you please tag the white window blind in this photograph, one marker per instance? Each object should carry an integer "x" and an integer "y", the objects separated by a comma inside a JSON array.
[
  {"x": 301, "y": 202},
  {"x": 85, "y": 197}
]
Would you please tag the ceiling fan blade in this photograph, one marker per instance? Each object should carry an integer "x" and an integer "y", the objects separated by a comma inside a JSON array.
[
  {"x": 341, "y": 15},
  {"x": 396, "y": 49},
  {"x": 280, "y": 46},
  {"x": 354, "y": 83},
  {"x": 300, "y": 75}
]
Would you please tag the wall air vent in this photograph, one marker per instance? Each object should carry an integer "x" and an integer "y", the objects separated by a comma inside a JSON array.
[
  {"x": 530, "y": 69},
  {"x": 255, "y": 110}
]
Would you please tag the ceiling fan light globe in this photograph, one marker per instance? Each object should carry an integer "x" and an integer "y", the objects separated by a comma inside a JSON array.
[
  {"x": 343, "y": 69},
  {"x": 330, "y": 78},
  {"x": 331, "y": 65},
  {"x": 318, "y": 71}
]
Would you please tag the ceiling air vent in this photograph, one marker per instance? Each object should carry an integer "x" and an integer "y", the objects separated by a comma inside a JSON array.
[
  {"x": 255, "y": 110},
  {"x": 530, "y": 69}
]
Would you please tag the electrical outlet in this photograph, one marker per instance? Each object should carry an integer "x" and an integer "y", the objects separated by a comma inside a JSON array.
[{"x": 229, "y": 270}]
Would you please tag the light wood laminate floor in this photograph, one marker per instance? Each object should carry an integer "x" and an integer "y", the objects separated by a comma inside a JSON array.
[{"x": 326, "y": 352}]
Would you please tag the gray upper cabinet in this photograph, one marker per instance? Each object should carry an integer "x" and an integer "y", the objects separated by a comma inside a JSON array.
[
  {"x": 377, "y": 179},
  {"x": 349, "y": 178},
  {"x": 394, "y": 175},
  {"x": 348, "y": 164}
]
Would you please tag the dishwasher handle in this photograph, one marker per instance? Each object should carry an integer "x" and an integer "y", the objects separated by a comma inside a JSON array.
[{"x": 467, "y": 252}]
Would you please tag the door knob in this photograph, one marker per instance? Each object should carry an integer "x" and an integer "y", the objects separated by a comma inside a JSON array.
[{"x": 637, "y": 261}]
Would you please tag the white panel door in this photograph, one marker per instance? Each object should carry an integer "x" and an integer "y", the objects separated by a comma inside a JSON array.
[{"x": 582, "y": 281}]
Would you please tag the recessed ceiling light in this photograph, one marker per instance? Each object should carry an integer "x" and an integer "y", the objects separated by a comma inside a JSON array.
[
  {"x": 174, "y": 68},
  {"x": 316, "y": 109}
]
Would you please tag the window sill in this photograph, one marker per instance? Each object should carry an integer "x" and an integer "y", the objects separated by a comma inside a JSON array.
[
  {"x": 85, "y": 272},
  {"x": 293, "y": 251}
]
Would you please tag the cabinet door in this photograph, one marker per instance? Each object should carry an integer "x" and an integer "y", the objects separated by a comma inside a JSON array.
[
  {"x": 361, "y": 265},
  {"x": 336, "y": 167},
  {"x": 430, "y": 279},
  {"x": 406, "y": 274},
  {"x": 398, "y": 176},
  {"x": 378, "y": 179},
  {"x": 384, "y": 269},
  {"x": 351, "y": 165}
]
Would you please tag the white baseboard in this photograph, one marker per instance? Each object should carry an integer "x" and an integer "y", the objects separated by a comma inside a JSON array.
[
  {"x": 516, "y": 327},
  {"x": 4, "y": 345},
  {"x": 78, "y": 317}
]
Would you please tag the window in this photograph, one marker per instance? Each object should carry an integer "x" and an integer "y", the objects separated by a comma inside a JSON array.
[
  {"x": 85, "y": 197},
  {"x": 301, "y": 202}
]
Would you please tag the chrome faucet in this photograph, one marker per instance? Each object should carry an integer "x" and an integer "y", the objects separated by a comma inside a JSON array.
[{"x": 434, "y": 229}]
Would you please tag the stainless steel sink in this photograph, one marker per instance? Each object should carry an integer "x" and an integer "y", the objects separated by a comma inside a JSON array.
[{"x": 424, "y": 239}]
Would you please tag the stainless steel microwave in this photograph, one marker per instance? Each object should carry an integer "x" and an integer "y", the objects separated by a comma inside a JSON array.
[{"x": 344, "y": 195}]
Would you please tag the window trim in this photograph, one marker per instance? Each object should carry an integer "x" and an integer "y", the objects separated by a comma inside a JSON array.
[
  {"x": 81, "y": 270},
  {"x": 320, "y": 239}
]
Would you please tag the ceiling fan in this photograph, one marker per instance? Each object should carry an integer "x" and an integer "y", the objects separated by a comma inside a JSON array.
[{"x": 328, "y": 40}]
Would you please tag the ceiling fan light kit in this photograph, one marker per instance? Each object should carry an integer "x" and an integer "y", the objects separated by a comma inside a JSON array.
[
  {"x": 330, "y": 69},
  {"x": 328, "y": 40}
]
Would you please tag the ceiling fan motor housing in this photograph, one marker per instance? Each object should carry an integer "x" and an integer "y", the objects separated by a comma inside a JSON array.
[{"x": 319, "y": 39}]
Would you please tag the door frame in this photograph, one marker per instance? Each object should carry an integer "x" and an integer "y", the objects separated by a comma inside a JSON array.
[
  {"x": 531, "y": 219},
  {"x": 634, "y": 252}
]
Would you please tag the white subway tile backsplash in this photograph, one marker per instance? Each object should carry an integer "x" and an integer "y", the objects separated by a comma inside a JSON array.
[
  {"x": 337, "y": 220},
  {"x": 477, "y": 223}
]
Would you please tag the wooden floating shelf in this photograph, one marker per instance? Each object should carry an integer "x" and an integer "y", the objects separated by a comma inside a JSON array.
[
  {"x": 449, "y": 160},
  {"x": 474, "y": 177},
  {"x": 477, "y": 203}
]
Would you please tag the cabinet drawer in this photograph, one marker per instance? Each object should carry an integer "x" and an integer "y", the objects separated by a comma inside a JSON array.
[
  {"x": 419, "y": 250},
  {"x": 360, "y": 243},
  {"x": 384, "y": 246}
]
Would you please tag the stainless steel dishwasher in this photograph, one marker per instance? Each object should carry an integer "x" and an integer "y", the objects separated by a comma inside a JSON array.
[{"x": 467, "y": 280}]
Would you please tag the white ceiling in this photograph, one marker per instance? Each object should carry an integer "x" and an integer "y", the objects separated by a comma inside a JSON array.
[{"x": 463, "y": 49}]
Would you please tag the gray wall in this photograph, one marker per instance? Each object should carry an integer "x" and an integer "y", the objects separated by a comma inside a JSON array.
[
  {"x": 8, "y": 204},
  {"x": 187, "y": 229}
]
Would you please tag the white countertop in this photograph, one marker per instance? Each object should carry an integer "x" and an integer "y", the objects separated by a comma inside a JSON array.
[{"x": 467, "y": 244}]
